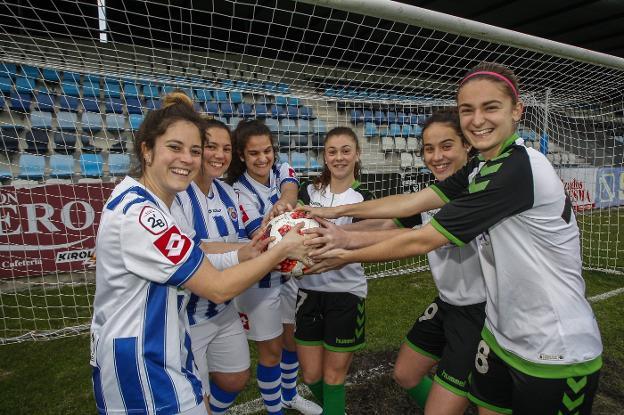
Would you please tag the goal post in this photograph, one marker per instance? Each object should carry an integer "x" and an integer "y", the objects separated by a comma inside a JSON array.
[{"x": 77, "y": 76}]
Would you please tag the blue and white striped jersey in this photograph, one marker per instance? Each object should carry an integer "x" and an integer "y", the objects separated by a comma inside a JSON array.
[
  {"x": 213, "y": 218},
  {"x": 140, "y": 347},
  {"x": 257, "y": 199}
]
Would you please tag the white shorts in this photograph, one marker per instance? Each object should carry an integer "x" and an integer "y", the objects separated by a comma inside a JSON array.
[
  {"x": 260, "y": 313},
  {"x": 220, "y": 345},
  {"x": 289, "y": 298}
]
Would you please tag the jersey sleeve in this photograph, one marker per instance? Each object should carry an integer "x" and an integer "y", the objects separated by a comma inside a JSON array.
[
  {"x": 409, "y": 222},
  {"x": 502, "y": 188},
  {"x": 183, "y": 217},
  {"x": 250, "y": 214},
  {"x": 453, "y": 186},
  {"x": 154, "y": 247},
  {"x": 287, "y": 175}
]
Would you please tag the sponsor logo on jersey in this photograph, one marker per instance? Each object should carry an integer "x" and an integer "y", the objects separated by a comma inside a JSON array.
[
  {"x": 244, "y": 320},
  {"x": 232, "y": 213},
  {"x": 245, "y": 216},
  {"x": 173, "y": 244},
  {"x": 153, "y": 220},
  {"x": 291, "y": 172}
]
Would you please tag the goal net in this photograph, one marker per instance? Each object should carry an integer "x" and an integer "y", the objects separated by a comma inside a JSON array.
[{"x": 77, "y": 76}]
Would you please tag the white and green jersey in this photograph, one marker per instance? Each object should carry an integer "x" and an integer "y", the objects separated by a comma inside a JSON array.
[
  {"x": 537, "y": 316},
  {"x": 456, "y": 270},
  {"x": 350, "y": 278}
]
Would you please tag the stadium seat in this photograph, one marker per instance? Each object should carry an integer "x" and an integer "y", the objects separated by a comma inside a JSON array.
[
  {"x": 69, "y": 76},
  {"x": 288, "y": 126},
  {"x": 319, "y": 127},
  {"x": 8, "y": 70},
  {"x": 387, "y": 144},
  {"x": 91, "y": 122},
  {"x": 416, "y": 130},
  {"x": 61, "y": 166},
  {"x": 394, "y": 130},
  {"x": 412, "y": 144},
  {"x": 262, "y": 111},
  {"x": 115, "y": 122},
  {"x": 68, "y": 103},
  {"x": 151, "y": 104},
  {"x": 87, "y": 145},
  {"x": 304, "y": 127},
  {"x": 292, "y": 101},
  {"x": 406, "y": 160},
  {"x": 391, "y": 117},
  {"x": 367, "y": 116},
  {"x": 40, "y": 119},
  {"x": 406, "y": 130},
  {"x": 50, "y": 75},
  {"x": 135, "y": 121},
  {"x": 293, "y": 112},
  {"x": 37, "y": 141},
  {"x": 44, "y": 102},
  {"x": 234, "y": 122},
  {"x": 91, "y": 88},
  {"x": 316, "y": 140},
  {"x": 6, "y": 175},
  {"x": 400, "y": 144},
  {"x": 20, "y": 102},
  {"x": 306, "y": 113},
  {"x": 298, "y": 161},
  {"x": 282, "y": 88},
  {"x": 299, "y": 140},
  {"x": 133, "y": 105},
  {"x": 281, "y": 100},
  {"x": 67, "y": 121},
  {"x": 236, "y": 97},
  {"x": 245, "y": 111},
  {"x": 9, "y": 138},
  {"x": 6, "y": 85},
  {"x": 31, "y": 167},
  {"x": 370, "y": 130},
  {"x": 70, "y": 88},
  {"x": 221, "y": 96},
  {"x": 112, "y": 88},
  {"x": 31, "y": 71},
  {"x": 283, "y": 158},
  {"x": 273, "y": 125},
  {"x": 130, "y": 89},
  {"x": 118, "y": 164},
  {"x": 420, "y": 164},
  {"x": 24, "y": 84},
  {"x": 227, "y": 109},
  {"x": 212, "y": 108},
  {"x": 283, "y": 141},
  {"x": 91, "y": 165},
  {"x": 314, "y": 165},
  {"x": 203, "y": 95},
  {"x": 402, "y": 118},
  {"x": 379, "y": 117},
  {"x": 64, "y": 142},
  {"x": 91, "y": 104},
  {"x": 91, "y": 79},
  {"x": 279, "y": 112},
  {"x": 151, "y": 91},
  {"x": 119, "y": 145},
  {"x": 113, "y": 105}
]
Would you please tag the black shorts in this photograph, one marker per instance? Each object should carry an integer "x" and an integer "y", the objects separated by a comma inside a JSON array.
[
  {"x": 449, "y": 334},
  {"x": 333, "y": 320},
  {"x": 496, "y": 385}
]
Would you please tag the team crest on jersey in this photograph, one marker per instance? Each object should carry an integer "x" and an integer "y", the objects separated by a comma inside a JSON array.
[
  {"x": 153, "y": 220},
  {"x": 232, "y": 212},
  {"x": 173, "y": 244}
]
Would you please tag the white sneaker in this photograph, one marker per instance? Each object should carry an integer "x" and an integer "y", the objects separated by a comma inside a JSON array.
[{"x": 303, "y": 405}]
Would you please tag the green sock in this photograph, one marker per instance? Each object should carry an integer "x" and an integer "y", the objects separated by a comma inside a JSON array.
[
  {"x": 420, "y": 392},
  {"x": 317, "y": 390},
  {"x": 333, "y": 399}
]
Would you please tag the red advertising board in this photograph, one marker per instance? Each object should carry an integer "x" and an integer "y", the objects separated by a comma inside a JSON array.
[{"x": 49, "y": 228}]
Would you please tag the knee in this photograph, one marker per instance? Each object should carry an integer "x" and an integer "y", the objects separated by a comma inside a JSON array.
[
  {"x": 232, "y": 382},
  {"x": 311, "y": 376},
  {"x": 405, "y": 378}
]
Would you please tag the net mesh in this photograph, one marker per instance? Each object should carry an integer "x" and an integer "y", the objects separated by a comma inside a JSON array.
[{"x": 77, "y": 77}]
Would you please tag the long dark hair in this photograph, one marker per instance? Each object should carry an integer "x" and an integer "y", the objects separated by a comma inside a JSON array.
[
  {"x": 325, "y": 178},
  {"x": 240, "y": 137}
]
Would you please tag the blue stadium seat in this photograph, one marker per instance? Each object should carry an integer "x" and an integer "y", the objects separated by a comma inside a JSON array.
[
  {"x": 130, "y": 89},
  {"x": 91, "y": 104},
  {"x": 151, "y": 104},
  {"x": 273, "y": 125},
  {"x": 8, "y": 69},
  {"x": 44, "y": 102},
  {"x": 67, "y": 121},
  {"x": 134, "y": 105},
  {"x": 20, "y": 102},
  {"x": 92, "y": 79},
  {"x": 135, "y": 121},
  {"x": 24, "y": 84},
  {"x": 86, "y": 144},
  {"x": 114, "y": 105},
  {"x": 91, "y": 122},
  {"x": 115, "y": 122},
  {"x": 379, "y": 117},
  {"x": 270, "y": 86},
  {"x": 288, "y": 126},
  {"x": 50, "y": 75},
  {"x": 236, "y": 97},
  {"x": 370, "y": 130},
  {"x": 314, "y": 165},
  {"x": 279, "y": 112},
  {"x": 305, "y": 127},
  {"x": 281, "y": 100},
  {"x": 262, "y": 111},
  {"x": 5, "y": 172},
  {"x": 91, "y": 165},
  {"x": 299, "y": 161},
  {"x": 31, "y": 167},
  {"x": 40, "y": 119},
  {"x": 112, "y": 88},
  {"x": 70, "y": 88},
  {"x": 6, "y": 85},
  {"x": 357, "y": 117},
  {"x": 151, "y": 91},
  {"x": 394, "y": 130},
  {"x": 68, "y": 103},
  {"x": 368, "y": 116},
  {"x": 90, "y": 88},
  {"x": 391, "y": 117},
  {"x": 293, "y": 112},
  {"x": 227, "y": 110},
  {"x": 221, "y": 96},
  {"x": 416, "y": 130},
  {"x": 203, "y": 95},
  {"x": 118, "y": 164},
  {"x": 406, "y": 130},
  {"x": 402, "y": 118},
  {"x": 245, "y": 111},
  {"x": 283, "y": 157},
  {"x": 306, "y": 113},
  {"x": 61, "y": 166},
  {"x": 417, "y": 119},
  {"x": 9, "y": 138},
  {"x": 299, "y": 140},
  {"x": 283, "y": 141},
  {"x": 37, "y": 141},
  {"x": 64, "y": 142},
  {"x": 69, "y": 76},
  {"x": 319, "y": 127},
  {"x": 212, "y": 108},
  {"x": 119, "y": 145},
  {"x": 295, "y": 102}
]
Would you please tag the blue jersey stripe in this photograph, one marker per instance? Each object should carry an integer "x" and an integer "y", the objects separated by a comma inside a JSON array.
[
  {"x": 228, "y": 202},
  {"x": 253, "y": 226},
  {"x": 199, "y": 222},
  {"x": 128, "y": 378},
  {"x": 191, "y": 307},
  {"x": 100, "y": 403},
  {"x": 188, "y": 269},
  {"x": 155, "y": 351},
  {"x": 243, "y": 180},
  {"x": 265, "y": 282},
  {"x": 134, "y": 189},
  {"x": 187, "y": 369},
  {"x": 221, "y": 226}
]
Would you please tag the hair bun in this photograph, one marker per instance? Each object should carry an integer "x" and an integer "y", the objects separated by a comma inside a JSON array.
[{"x": 176, "y": 98}]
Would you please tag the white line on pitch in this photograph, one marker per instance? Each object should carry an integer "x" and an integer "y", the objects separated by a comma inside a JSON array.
[{"x": 257, "y": 405}]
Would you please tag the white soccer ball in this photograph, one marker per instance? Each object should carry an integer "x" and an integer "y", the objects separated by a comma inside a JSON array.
[{"x": 278, "y": 227}]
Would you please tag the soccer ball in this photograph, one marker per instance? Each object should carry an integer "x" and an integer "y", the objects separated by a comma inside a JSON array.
[{"x": 278, "y": 227}]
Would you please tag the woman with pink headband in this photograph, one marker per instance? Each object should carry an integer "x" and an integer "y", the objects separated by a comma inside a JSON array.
[{"x": 540, "y": 349}]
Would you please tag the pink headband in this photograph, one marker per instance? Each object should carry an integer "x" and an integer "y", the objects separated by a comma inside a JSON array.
[{"x": 495, "y": 75}]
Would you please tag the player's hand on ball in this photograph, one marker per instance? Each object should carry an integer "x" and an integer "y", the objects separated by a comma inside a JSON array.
[
  {"x": 253, "y": 248},
  {"x": 326, "y": 237},
  {"x": 278, "y": 208},
  {"x": 330, "y": 260},
  {"x": 293, "y": 243},
  {"x": 320, "y": 212}
]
